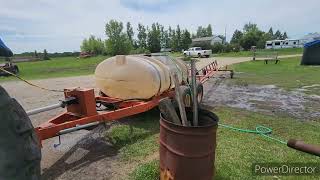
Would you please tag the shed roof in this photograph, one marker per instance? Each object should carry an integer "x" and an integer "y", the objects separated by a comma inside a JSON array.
[{"x": 210, "y": 38}]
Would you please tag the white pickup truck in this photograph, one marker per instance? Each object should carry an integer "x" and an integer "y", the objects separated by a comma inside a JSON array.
[{"x": 198, "y": 52}]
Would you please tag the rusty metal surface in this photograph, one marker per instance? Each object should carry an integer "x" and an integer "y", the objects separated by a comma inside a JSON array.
[
  {"x": 301, "y": 146},
  {"x": 85, "y": 112},
  {"x": 188, "y": 153}
]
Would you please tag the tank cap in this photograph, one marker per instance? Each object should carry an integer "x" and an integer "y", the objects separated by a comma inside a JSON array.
[{"x": 120, "y": 59}]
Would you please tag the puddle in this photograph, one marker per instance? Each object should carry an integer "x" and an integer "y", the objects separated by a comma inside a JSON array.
[{"x": 267, "y": 99}]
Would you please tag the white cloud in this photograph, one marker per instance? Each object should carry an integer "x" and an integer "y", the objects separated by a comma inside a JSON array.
[{"x": 61, "y": 25}]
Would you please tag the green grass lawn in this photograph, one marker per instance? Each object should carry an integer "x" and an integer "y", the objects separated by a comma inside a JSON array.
[
  {"x": 286, "y": 51},
  {"x": 57, "y": 67},
  {"x": 235, "y": 152},
  {"x": 288, "y": 74}
]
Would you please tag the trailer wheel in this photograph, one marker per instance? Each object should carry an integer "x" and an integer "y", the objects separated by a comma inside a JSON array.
[
  {"x": 15, "y": 70},
  {"x": 199, "y": 92}
]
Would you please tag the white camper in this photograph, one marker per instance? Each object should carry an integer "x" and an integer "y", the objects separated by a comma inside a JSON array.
[{"x": 288, "y": 43}]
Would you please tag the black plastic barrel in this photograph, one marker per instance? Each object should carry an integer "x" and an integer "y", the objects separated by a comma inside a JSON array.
[{"x": 188, "y": 153}]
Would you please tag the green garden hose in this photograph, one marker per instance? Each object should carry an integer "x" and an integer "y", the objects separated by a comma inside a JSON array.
[{"x": 261, "y": 130}]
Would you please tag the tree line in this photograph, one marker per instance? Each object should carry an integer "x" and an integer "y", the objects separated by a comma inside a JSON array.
[
  {"x": 122, "y": 40},
  {"x": 251, "y": 35}
]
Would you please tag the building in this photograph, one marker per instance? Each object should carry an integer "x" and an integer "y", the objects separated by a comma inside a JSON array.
[
  {"x": 310, "y": 37},
  {"x": 212, "y": 40}
]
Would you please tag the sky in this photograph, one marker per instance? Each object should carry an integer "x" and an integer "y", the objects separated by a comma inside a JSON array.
[{"x": 61, "y": 25}]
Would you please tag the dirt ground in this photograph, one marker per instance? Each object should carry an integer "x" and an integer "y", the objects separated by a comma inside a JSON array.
[{"x": 83, "y": 154}]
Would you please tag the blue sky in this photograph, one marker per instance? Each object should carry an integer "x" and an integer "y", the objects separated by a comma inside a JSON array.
[{"x": 61, "y": 25}]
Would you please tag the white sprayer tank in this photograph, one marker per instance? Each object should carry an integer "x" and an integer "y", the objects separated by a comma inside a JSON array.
[{"x": 138, "y": 77}]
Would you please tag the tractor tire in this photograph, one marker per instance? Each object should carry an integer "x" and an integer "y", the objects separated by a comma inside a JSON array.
[
  {"x": 15, "y": 70},
  {"x": 199, "y": 92},
  {"x": 185, "y": 92},
  {"x": 19, "y": 143}
]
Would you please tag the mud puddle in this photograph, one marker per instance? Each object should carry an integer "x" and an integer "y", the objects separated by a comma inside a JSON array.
[{"x": 267, "y": 99}]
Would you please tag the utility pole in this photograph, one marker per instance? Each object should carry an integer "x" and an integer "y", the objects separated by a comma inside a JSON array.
[{"x": 225, "y": 34}]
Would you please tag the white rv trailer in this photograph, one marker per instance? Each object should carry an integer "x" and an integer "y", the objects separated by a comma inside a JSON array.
[{"x": 288, "y": 43}]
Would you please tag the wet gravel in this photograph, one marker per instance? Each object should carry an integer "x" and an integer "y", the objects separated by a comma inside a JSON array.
[{"x": 267, "y": 99}]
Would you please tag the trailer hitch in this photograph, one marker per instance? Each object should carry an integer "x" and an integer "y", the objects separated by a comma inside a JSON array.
[{"x": 62, "y": 104}]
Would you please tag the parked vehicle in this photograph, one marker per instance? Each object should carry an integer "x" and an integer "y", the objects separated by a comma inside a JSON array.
[
  {"x": 197, "y": 52},
  {"x": 9, "y": 66},
  {"x": 85, "y": 54}
]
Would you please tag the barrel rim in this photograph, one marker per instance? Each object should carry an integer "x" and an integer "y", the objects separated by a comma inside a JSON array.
[{"x": 214, "y": 123}]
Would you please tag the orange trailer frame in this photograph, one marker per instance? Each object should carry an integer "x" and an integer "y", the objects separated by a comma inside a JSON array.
[{"x": 85, "y": 112}]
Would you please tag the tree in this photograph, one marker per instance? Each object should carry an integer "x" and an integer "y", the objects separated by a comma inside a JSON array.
[
  {"x": 209, "y": 30},
  {"x": 251, "y": 36},
  {"x": 36, "y": 54},
  {"x": 178, "y": 39},
  {"x": 142, "y": 36},
  {"x": 130, "y": 32},
  {"x": 186, "y": 39},
  {"x": 250, "y": 27},
  {"x": 204, "y": 31},
  {"x": 201, "y": 32},
  {"x": 93, "y": 45},
  {"x": 171, "y": 36},
  {"x": 277, "y": 35},
  {"x": 45, "y": 55},
  {"x": 236, "y": 37},
  {"x": 117, "y": 42},
  {"x": 262, "y": 40},
  {"x": 174, "y": 44},
  {"x": 284, "y": 36},
  {"x": 270, "y": 32},
  {"x": 154, "y": 38},
  {"x": 164, "y": 38}
]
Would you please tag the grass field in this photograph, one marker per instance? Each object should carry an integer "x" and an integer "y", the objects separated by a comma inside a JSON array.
[
  {"x": 57, "y": 67},
  {"x": 235, "y": 152},
  {"x": 288, "y": 74},
  {"x": 286, "y": 51}
]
